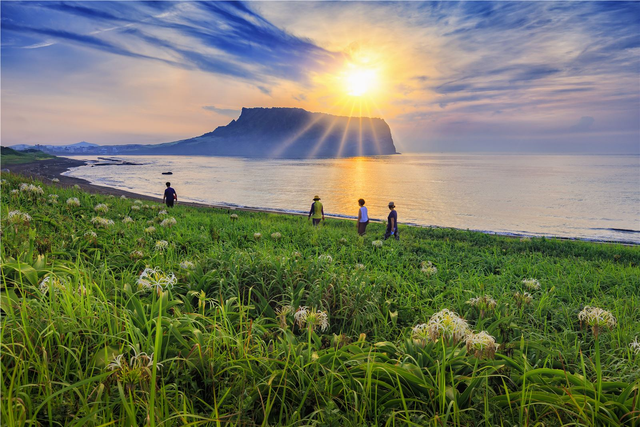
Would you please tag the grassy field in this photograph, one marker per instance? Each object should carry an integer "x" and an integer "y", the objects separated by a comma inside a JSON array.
[
  {"x": 116, "y": 312},
  {"x": 13, "y": 157}
]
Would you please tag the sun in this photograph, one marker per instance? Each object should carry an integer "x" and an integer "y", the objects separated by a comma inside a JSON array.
[{"x": 360, "y": 81}]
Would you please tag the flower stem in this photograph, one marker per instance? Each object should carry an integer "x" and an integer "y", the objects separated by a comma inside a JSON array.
[{"x": 599, "y": 376}]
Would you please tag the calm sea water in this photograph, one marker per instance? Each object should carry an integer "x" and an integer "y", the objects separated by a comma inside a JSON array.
[{"x": 587, "y": 197}]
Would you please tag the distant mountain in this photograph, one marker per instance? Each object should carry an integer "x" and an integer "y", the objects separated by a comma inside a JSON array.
[
  {"x": 82, "y": 144},
  {"x": 78, "y": 147},
  {"x": 270, "y": 133},
  {"x": 20, "y": 147}
]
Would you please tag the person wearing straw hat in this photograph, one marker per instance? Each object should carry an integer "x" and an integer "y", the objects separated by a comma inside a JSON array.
[
  {"x": 317, "y": 211},
  {"x": 392, "y": 223}
]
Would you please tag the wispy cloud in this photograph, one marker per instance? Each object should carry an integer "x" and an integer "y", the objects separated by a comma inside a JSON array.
[
  {"x": 264, "y": 90},
  {"x": 216, "y": 37},
  {"x": 494, "y": 71},
  {"x": 514, "y": 48},
  {"x": 529, "y": 67},
  {"x": 75, "y": 38},
  {"x": 584, "y": 124}
]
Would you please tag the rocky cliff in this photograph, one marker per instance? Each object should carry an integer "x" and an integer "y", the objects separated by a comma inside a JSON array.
[
  {"x": 287, "y": 133},
  {"x": 270, "y": 133}
]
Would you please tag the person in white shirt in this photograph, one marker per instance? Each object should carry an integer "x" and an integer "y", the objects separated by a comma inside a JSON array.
[{"x": 363, "y": 218}]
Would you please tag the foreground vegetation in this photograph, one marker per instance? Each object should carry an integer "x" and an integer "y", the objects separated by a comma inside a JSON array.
[{"x": 117, "y": 312}]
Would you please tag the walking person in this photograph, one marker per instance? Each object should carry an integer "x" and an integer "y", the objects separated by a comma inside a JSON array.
[
  {"x": 317, "y": 211},
  {"x": 170, "y": 196},
  {"x": 363, "y": 218},
  {"x": 392, "y": 223}
]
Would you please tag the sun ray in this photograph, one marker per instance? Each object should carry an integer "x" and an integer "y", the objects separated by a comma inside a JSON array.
[
  {"x": 378, "y": 110},
  {"x": 360, "y": 151},
  {"x": 324, "y": 136},
  {"x": 291, "y": 140},
  {"x": 345, "y": 134},
  {"x": 373, "y": 130}
]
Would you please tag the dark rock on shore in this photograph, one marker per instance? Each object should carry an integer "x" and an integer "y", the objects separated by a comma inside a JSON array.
[{"x": 111, "y": 161}]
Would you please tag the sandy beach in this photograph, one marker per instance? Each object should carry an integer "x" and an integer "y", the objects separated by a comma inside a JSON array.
[{"x": 46, "y": 170}]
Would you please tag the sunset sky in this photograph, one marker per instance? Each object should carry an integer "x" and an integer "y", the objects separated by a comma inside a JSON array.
[{"x": 448, "y": 76}]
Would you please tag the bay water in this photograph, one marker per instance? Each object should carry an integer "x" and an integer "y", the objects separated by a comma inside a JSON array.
[{"x": 594, "y": 197}]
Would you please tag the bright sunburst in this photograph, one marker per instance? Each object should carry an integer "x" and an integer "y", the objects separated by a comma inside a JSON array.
[{"x": 360, "y": 81}]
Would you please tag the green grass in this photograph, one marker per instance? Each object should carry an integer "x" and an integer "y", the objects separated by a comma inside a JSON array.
[
  {"x": 13, "y": 157},
  {"x": 93, "y": 347}
]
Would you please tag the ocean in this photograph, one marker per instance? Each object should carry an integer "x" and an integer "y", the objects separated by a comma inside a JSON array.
[{"x": 571, "y": 196}]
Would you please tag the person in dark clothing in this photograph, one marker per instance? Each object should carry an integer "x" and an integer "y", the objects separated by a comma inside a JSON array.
[
  {"x": 170, "y": 196},
  {"x": 392, "y": 223},
  {"x": 317, "y": 211}
]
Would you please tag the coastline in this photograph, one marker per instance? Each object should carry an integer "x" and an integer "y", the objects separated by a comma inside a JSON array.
[{"x": 46, "y": 170}]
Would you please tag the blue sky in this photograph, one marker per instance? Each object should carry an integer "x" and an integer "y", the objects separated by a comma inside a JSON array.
[{"x": 450, "y": 76}]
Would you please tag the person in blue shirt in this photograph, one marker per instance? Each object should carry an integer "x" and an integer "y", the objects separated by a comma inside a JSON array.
[
  {"x": 169, "y": 196},
  {"x": 392, "y": 223}
]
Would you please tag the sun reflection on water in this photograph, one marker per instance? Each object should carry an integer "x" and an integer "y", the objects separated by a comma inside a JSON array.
[{"x": 582, "y": 196}]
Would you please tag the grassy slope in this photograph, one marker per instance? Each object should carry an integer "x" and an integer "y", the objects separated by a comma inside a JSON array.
[
  {"x": 13, "y": 157},
  {"x": 227, "y": 355}
]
